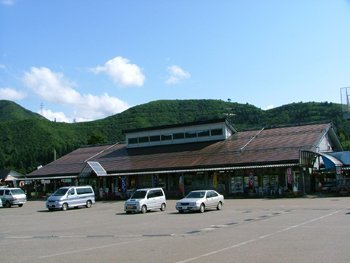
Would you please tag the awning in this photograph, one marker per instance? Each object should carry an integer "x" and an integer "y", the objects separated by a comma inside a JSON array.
[
  {"x": 93, "y": 166},
  {"x": 227, "y": 168},
  {"x": 344, "y": 157},
  {"x": 307, "y": 158},
  {"x": 48, "y": 178},
  {"x": 329, "y": 161}
]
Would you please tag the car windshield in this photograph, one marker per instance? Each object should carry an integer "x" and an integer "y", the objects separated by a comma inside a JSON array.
[
  {"x": 60, "y": 192},
  {"x": 17, "y": 191},
  {"x": 196, "y": 195},
  {"x": 138, "y": 194}
]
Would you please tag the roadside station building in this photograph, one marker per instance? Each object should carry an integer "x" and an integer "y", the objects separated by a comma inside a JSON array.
[{"x": 209, "y": 154}]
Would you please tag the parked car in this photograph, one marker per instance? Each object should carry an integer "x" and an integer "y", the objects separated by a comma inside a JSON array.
[
  {"x": 200, "y": 200},
  {"x": 0, "y": 202},
  {"x": 146, "y": 199},
  {"x": 71, "y": 196},
  {"x": 12, "y": 196}
]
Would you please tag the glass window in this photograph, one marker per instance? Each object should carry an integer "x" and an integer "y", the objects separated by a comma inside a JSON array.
[
  {"x": 144, "y": 139},
  {"x": 139, "y": 194},
  {"x": 132, "y": 140},
  {"x": 203, "y": 133},
  {"x": 154, "y": 138},
  {"x": 215, "y": 132},
  {"x": 191, "y": 134},
  {"x": 166, "y": 137},
  {"x": 17, "y": 191},
  {"x": 179, "y": 135}
]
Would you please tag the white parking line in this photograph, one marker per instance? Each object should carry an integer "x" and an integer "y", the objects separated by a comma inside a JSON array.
[
  {"x": 90, "y": 249},
  {"x": 256, "y": 239}
]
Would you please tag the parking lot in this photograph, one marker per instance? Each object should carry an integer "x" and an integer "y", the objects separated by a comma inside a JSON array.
[{"x": 245, "y": 230}]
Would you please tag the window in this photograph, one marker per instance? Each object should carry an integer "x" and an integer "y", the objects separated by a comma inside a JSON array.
[
  {"x": 203, "y": 133},
  {"x": 154, "y": 138},
  {"x": 132, "y": 140},
  {"x": 144, "y": 139},
  {"x": 151, "y": 194},
  {"x": 213, "y": 194},
  {"x": 191, "y": 134},
  {"x": 158, "y": 193},
  {"x": 81, "y": 191},
  {"x": 166, "y": 137},
  {"x": 179, "y": 135},
  {"x": 215, "y": 132}
]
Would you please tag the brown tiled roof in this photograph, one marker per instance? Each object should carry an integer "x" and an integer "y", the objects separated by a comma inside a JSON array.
[
  {"x": 269, "y": 146},
  {"x": 72, "y": 163}
]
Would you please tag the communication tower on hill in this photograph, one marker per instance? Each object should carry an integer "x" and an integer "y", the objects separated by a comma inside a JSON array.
[{"x": 345, "y": 102}]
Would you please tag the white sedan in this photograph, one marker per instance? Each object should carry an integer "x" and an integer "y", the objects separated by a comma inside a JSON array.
[{"x": 200, "y": 200}]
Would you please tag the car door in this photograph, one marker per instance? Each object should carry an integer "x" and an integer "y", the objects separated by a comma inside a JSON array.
[
  {"x": 151, "y": 199},
  {"x": 72, "y": 198},
  {"x": 211, "y": 199},
  {"x": 215, "y": 199}
]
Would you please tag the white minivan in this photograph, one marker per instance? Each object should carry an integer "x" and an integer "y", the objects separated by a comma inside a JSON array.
[
  {"x": 12, "y": 196},
  {"x": 145, "y": 199},
  {"x": 71, "y": 196}
]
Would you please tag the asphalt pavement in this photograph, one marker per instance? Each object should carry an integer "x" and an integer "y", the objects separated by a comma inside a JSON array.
[{"x": 245, "y": 230}]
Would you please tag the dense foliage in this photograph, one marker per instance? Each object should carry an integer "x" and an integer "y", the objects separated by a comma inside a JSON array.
[{"x": 28, "y": 140}]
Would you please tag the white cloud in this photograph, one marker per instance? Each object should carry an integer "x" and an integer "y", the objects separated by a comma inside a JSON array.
[
  {"x": 176, "y": 75},
  {"x": 55, "y": 88},
  {"x": 54, "y": 116},
  {"x": 51, "y": 86},
  {"x": 93, "y": 107},
  {"x": 11, "y": 94},
  {"x": 122, "y": 72}
]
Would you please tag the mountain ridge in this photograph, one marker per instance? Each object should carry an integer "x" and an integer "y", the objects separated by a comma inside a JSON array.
[{"x": 28, "y": 140}]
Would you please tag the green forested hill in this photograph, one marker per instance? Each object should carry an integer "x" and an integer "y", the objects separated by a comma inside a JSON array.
[
  {"x": 28, "y": 140},
  {"x": 12, "y": 111}
]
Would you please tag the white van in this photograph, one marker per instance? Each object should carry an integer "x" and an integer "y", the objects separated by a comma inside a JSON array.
[
  {"x": 12, "y": 196},
  {"x": 143, "y": 200},
  {"x": 71, "y": 196}
]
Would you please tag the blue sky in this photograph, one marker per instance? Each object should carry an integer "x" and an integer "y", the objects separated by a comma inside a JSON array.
[{"x": 88, "y": 59}]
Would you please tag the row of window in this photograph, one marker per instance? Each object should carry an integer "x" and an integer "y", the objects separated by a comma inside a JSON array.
[{"x": 176, "y": 136}]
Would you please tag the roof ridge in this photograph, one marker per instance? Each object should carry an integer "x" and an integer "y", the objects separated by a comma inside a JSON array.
[{"x": 96, "y": 154}]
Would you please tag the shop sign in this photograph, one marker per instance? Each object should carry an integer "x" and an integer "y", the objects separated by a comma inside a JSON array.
[{"x": 45, "y": 181}]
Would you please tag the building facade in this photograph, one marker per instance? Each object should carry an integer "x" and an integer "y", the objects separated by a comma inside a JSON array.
[{"x": 211, "y": 154}]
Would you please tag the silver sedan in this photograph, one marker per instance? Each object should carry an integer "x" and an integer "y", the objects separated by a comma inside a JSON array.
[{"x": 200, "y": 200}]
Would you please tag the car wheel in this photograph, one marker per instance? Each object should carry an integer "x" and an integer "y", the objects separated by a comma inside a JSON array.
[
  {"x": 219, "y": 206},
  {"x": 20, "y": 205},
  {"x": 202, "y": 208},
  {"x": 143, "y": 209},
  {"x": 162, "y": 207},
  {"x": 64, "y": 207},
  {"x": 181, "y": 211},
  {"x": 128, "y": 212},
  {"x": 88, "y": 204},
  {"x": 7, "y": 204}
]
